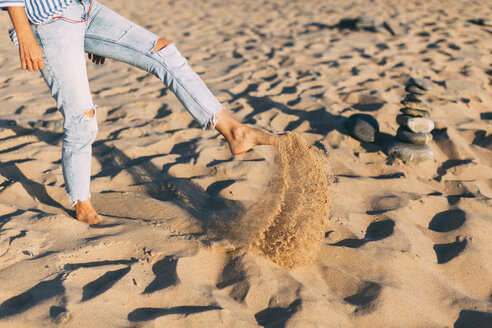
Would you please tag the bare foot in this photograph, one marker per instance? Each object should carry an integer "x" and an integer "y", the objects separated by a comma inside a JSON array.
[
  {"x": 245, "y": 138},
  {"x": 240, "y": 137},
  {"x": 86, "y": 213}
]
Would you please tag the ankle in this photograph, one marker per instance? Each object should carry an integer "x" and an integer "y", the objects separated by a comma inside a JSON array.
[
  {"x": 238, "y": 132},
  {"x": 83, "y": 204},
  {"x": 85, "y": 212}
]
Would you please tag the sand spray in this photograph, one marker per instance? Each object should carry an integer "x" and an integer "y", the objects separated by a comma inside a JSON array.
[{"x": 287, "y": 224}]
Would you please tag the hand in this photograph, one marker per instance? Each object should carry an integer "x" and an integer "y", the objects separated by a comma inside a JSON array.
[
  {"x": 96, "y": 59},
  {"x": 31, "y": 55}
]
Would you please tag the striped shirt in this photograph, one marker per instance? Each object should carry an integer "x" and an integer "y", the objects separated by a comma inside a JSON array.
[{"x": 37, "y": 11}]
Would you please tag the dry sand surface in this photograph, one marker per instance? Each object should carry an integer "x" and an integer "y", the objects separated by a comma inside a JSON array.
[{"x": 189, "y": 232}]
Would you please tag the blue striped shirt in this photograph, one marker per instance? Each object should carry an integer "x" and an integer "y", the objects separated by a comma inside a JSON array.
[{"x": 37, "y": 11}]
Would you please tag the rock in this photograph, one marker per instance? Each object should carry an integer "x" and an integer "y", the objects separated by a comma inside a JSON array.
[
  {"x": 415, "y": 124},
  {"x": 482, "y": 21},
  {"x": 414, "y": 112},
  {"x": 413, "y": 97},
  {"x": 414, "y": 89},
  {"x": 406, "y": 135},
  {"x": 364, "y": 22},
  {"x": 486, "y": 22},
  {"x": 367, "y": 20},
  {"x": 416, "y": 105},
  {"x": 363, "y": 127},
  {"x": 347, "y": 23},
  {"x": 409, "y": 152},
  {"x": 390, "y": 28},
  {"x": 382, "y": 30},
  {"x": 60, "y": 315},
  {"x": 420, "y": 84}
]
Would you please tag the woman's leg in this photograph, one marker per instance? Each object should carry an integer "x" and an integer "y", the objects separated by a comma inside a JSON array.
[
  {"x": 112, "y": 36},
  {"x": 66, "y": 76}
]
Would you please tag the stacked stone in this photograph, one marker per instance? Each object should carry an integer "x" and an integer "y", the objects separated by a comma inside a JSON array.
[
  {"x": 367, "y": 23},
  {"x": 415, "y": 125}
]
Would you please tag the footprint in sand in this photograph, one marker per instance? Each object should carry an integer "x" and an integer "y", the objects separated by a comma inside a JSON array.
[
  {"x": 377, "y": 230},
  {"x": 447, "y": 252},
  {"x": 201, "y": 270},
  {"x": 360, "y": 293},
  {"x": 278, "y": 316},
  {"x": 444, "y": 222},
  {"x": 165, "y": 274},
  {"x": 364, "y": 298},
  {"x": 447, "y": 220}
]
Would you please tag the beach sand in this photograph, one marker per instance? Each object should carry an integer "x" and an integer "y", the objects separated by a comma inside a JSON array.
[{"x": 353, "y": 239}]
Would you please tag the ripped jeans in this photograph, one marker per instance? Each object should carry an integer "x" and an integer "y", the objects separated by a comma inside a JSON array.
[{"x": 109, "y": 35}]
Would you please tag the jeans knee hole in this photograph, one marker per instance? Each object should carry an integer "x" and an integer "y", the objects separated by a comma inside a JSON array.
[
  {"x": 160, "y": 44},
  {"x": 90, "y": 114}
]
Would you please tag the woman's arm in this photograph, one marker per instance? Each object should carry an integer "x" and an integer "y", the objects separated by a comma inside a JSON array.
[{"x": 31, "y": 55}]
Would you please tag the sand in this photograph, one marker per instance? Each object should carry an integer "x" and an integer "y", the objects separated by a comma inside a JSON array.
[{"x": 388, "y": 244}]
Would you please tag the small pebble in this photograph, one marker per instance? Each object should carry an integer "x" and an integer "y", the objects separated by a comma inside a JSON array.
[
  {"x": 369, "y": 20},
  {"x": 413, "y": 97},
  {"x": 415, "y": 112},
  {"x": 420, "y": 84},
  {"x": 363, "y": 127},
  {"x": 414, "y": 89},
  {"x": 415, "y": 124},
  {"x": 410, "y": 152},
  {"x": 416, "y": 105},
  {"x": 406, "y": 135}
]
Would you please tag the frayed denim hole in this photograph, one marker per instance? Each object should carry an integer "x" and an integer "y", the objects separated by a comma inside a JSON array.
[
  {"x": 90, "y": 114},
  {"x": 89, "y": 122},
  {"x": 154, "y": 45}
]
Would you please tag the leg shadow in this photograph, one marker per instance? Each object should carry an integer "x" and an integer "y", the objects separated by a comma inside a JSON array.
[{"x": 375, "y": 231}]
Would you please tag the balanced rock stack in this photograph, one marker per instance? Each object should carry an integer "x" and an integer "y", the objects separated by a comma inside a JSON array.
[
  {"x": 415, "y": 126},
  {"x": 367, "y": 23}
]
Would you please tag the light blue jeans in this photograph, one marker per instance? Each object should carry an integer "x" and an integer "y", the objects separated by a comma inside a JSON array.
[{"x": 109, "y": 35}]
